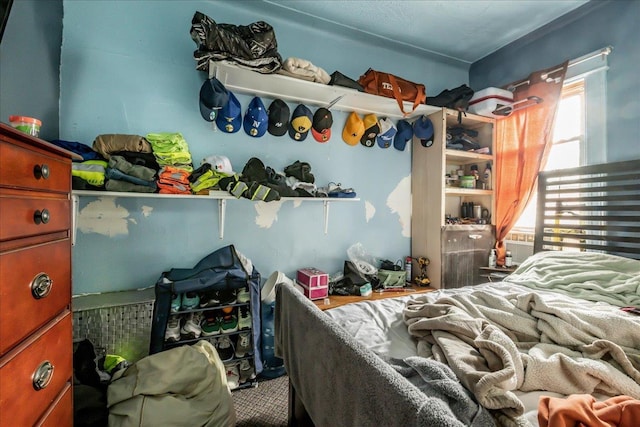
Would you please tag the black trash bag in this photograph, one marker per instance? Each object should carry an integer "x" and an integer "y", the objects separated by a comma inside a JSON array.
[
  {"x": 351, "y": 281},
  {"x": 252, "y": 46}
]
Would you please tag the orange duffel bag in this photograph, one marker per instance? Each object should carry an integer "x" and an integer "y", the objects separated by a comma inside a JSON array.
[{"x": 390, "y": 86}]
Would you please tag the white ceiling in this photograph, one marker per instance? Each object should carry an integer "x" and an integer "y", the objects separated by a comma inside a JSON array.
[{"x": 464, "y": 30}]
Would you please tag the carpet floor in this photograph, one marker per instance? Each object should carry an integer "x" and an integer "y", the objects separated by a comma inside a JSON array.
[{"x": 263, "y": 406}]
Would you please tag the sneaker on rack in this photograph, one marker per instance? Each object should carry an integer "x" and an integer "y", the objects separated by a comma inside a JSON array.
[
  {"x": 243, "y": 345},
  {"x": 210, "y": 324},
  {"x": 176, "y": 302},
  {"x": 209, "y": 299},
  {"x": 190, "y": 300},
  {"x": 233, "y": 376},
  {"x": 191, "y": 328},
  {"x": 172, "y": 333},
  {"x": 244, "y": 320},
  {"x": 227, "y": 296},
  {"x": 247, "y": 373},
  {"x": 228, "y": 323},
  {"x": 243, "y": 295},
  {"x": 225, "y": 348}
]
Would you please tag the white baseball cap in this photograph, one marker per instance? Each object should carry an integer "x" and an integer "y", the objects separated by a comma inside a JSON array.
[{"x": 219, "y": 163}]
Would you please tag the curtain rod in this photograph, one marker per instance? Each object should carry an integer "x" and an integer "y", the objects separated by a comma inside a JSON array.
[{"x": 601, "y": 52}]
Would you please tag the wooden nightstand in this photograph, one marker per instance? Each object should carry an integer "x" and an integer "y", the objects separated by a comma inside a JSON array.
[
  {"x": 496, "y": 274},
  {"x": 338, "y": 300}
]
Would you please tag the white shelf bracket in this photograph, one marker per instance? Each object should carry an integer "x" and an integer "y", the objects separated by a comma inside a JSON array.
[
  {"x": 75, "y": 205},
  {"x": 222, "y": 208},
  {"x": 326, "y": 216}
]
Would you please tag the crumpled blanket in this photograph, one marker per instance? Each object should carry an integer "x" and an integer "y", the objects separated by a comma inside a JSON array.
[
  {"x": 437, "y": 381},
  {"x": 303, "y": 69},
  {"x": 252, "y": 46},
  {"x": 497, "y": 342}
]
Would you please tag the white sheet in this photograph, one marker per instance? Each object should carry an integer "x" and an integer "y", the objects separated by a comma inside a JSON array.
[{"x": 379, "y": 326}]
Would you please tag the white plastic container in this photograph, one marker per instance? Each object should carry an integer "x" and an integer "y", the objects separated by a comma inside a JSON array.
[{"x": 486, "y": 101}]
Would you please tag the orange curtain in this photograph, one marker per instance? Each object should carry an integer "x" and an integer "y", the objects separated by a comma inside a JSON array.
[{"x": 523, "y": 140}]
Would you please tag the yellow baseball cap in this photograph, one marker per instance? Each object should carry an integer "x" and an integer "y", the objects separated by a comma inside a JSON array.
[{"x": 353, "y": 129}]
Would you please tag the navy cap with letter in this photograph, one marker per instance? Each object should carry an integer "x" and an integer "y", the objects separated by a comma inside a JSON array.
[{"x": 256, "y": 119}]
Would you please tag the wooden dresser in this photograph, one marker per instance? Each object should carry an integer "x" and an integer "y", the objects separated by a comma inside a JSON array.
[{"x": 36, "y": 349}]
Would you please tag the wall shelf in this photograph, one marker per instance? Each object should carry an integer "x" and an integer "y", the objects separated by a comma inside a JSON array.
[
  {"x": 220, "y": 196},
  {"x": 291, "y": 89}
]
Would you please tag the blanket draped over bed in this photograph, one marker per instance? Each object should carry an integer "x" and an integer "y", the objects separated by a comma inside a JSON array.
[{"x": 517, "y": 336}]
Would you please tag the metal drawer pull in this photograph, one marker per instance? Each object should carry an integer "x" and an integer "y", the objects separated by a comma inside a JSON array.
[
  {"x": 41, "y": 216},
  {"x": 475, "y": 236},
  {"x": 41, "y": 286},
  {"x": 41, "y": 171},
  {"x": 42, "y": 376}
]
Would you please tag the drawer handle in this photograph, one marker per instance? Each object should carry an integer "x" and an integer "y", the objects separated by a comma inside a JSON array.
[
  {"x": 41, "y": 216},
  {"x": 475, "y": 236},
  {"x": 41, "y": 171},
  {"x": 41, "y": 286},
  {"x": 42, "y": 376}
]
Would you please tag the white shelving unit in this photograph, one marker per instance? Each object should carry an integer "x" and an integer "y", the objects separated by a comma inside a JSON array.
[
  {"x": 220, "y": 196},
  {"x": 291, "y": 89}
]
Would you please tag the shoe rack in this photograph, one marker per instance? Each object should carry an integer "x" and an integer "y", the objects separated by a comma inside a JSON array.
[{"x": 224, "y": 319}]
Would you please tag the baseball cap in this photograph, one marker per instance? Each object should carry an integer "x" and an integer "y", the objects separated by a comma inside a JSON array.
[
  {"x": 213, "y": 96},
  {"x": 278, "y": 117},
  {"x": 229, "y": 117},
  {"x": 219, "y": 163},
  {"x": 321, "y": 126},
  {"x": 353, "y": 129},
  {"x": 423, "y": 130},
  {"x": 404, "y": 134},
  {"x": 256, "y": 119},
  {"x": 387, "y": 132},
  {"x": 371, "y": 130},
  {"x": 300, "y": 123}
]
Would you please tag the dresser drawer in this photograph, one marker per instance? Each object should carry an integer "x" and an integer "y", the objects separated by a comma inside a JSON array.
[
  {"x": 46, "y": 356},
  {"x": 28, "y": 169},
  {"x": 60, "y": 413},
  {"x": 35, "y": 285},
  {"x": 32, "y": 216}
]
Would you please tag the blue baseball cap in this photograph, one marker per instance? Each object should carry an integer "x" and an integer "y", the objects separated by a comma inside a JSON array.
[
  {"x": 213, "y": 96},
  {"x": 256, "y": 119},
  {"x": 387, "y": 132},
  {"x": 423, "y": 130},
  {"x": 229, "y": 118},
  {"x": 404, "y": 134}
]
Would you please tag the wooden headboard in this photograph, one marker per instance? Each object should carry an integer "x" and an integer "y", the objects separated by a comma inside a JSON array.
[{"x": 591, "y": 208}]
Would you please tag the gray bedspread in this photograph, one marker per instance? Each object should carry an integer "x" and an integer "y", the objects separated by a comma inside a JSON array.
[{"x": 342, "y": 383}]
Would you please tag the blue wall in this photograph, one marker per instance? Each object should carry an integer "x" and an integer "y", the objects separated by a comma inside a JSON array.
[
  {"x": 127, "y": 67},
  {"x": 591, "y": 27},
  {"x": 30, "y": 63}
]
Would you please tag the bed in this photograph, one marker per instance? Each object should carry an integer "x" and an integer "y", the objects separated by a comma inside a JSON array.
[{"x": 496, "y": 353}]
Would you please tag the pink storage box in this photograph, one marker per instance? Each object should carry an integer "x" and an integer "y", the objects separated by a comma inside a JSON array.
[
  {"x": 318, "y": 292},
  {"x": 486, "y": 101},
  {"x": 312, "y": 277}
]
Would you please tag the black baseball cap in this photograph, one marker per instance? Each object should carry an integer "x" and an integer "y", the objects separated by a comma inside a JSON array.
[
  {"x": 278, "y": 117},
  {"x": 321, "y": 126},
  {"x": 213, "y": 96}
]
